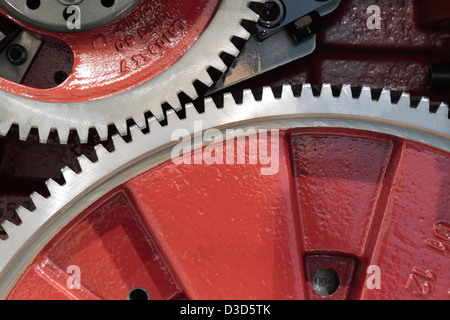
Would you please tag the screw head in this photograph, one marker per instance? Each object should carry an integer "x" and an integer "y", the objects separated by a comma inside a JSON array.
[
  {"x": 17, "y": 54},
  {"x": 326, "y": 282}
]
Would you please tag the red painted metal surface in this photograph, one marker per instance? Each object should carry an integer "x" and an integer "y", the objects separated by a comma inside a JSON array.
[
  {"x": 120, "y": 56},
  {"x": 328, "y": 171},
  {"x": 114, "y": 252},
  {"x": 414, "y": 233},
  {"x": 371, "y": 207}
]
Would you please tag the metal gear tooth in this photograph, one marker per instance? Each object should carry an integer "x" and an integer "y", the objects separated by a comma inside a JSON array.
[
  {"x": 43, "y": 133},
  {"x": 424, "y": 105},
  {"x": 217, "y": 63},
  {"x": 171, "y": 116},
  {"x": 287, "y": 92},
  {"x": 268, "y": 93},
  {"x": 68, "y": 174},
  {"x": 153, "y": 123},
  {"x": 365, "y": 95},
  {"x": 231, "y": 49},
  {"x": 4, "y": 128},
  {"x": 307, "y": 91},
  {"x": 211, "y": 107},
  {"x": 118, "y": 141},
  {"x": 190, "y": 110},
  {"x": 191, "y": 92},
  {"x": 326, "y": 91},
  {"x": 24, "y": 132},
  {"x": 242, "y": 32},
  {"x": 346, "y": 92},
  {"x": 205, "y": 78},
  {"x": 228, "y": 100},
  {"x": 174, "y": 102},
  {"x": 405, "y": 101},
  {"x": 158, "y": 114},
  {"x": 140, "y": 121},
  {"x": 135, "y": 132},
  {"x": 253, "y": 15},
  {"x": 386, "y": 96},
  {"x": 38, "y": 200},
  {"x": 8, "y": 227},
  {"x": 247, "y": 96},
  {"x": 102, "y": 132},
  {"x": 443, "y": 111},
  {"x": 83, "y": 134},
  {"x": 25, "y": 215},
  {"x": 52, "y": 186},
  {"x": 100, "y": 150},
  {"x": 63, "y": 135},
  {"x": 121, "y": 127},
  {"x": 84, "y": 163}
]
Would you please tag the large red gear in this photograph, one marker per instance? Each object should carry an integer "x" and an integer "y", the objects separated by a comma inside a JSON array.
[
  {"x": 398, "y": 56},
  {"x": 342, "y": 200}
]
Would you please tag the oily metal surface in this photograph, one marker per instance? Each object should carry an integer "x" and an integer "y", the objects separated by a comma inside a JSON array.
[
  {"x": 134, "y": 103},
  {"x": 146, "y": 150},
  {"x": 55, "y": 15}
]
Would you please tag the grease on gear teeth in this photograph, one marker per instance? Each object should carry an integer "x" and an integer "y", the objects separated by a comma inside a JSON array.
[
  {"x": 295, "y": 105},
  {"x": 144, "y": 99}
]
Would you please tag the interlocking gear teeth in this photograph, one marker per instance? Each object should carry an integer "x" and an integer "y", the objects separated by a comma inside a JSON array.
[
  {"x": 146, "y": 98},
  {"x": 80, "y": 188},
  {"x": 190, "y": 108},
  {"x": 118, "y": 141},
  {"x": 100, "y": 150}
]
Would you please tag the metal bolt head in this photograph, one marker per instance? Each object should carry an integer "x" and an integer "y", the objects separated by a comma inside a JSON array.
[
  {"x": 272, "y": 14},
  {"x": 17, "y": 54},
  {"x": 326, "y": 282}
]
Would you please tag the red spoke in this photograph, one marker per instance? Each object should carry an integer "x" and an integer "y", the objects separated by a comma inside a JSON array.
[{"x": 417, "y": 204}]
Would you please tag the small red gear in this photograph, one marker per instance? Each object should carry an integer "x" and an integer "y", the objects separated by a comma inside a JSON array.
[{"x": 120, "y": 56}]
